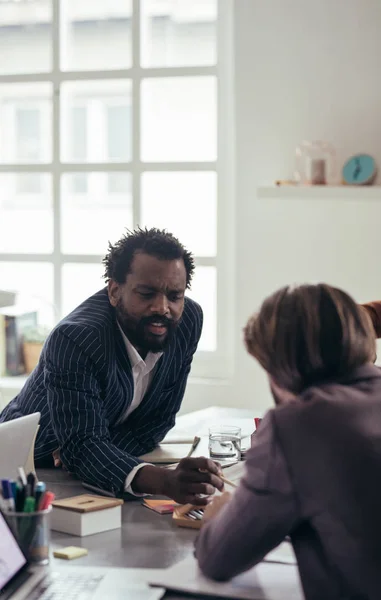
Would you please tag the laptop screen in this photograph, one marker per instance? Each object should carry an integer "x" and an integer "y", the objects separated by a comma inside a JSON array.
[{"x": 11, "y": 557}]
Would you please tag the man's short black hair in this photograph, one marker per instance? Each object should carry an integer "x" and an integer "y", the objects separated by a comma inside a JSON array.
[{"x": 155, "y": 242}]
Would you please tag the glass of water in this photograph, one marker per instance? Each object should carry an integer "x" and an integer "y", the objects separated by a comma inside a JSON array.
[{"x": 225, "y": 442}]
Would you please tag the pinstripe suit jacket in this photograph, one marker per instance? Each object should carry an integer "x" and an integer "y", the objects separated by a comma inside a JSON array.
[{"x": 83, "y": 384}]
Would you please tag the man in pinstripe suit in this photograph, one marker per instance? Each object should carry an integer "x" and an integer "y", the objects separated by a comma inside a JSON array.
[{"x": 112, "y": 374}]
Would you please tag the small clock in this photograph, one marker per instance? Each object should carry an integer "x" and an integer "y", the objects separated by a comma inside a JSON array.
[{"x": 359, "y": 170}]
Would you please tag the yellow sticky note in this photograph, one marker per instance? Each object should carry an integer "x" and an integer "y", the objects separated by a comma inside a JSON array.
[{"x": 70, "y": 552}]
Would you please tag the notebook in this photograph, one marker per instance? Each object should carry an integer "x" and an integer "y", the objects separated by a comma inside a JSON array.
[
  {"x": 167, "y": 453},
  {"x": 266, "y": 581}
]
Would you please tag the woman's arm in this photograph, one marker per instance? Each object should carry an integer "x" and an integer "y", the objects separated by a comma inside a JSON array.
[{"x": 261, "y": 513}]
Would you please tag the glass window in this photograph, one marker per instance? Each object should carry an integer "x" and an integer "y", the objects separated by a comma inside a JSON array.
[
  {"x": 25, "y": 123},
  {"x": 90, "y": 220},
  {"x": 96, "y": 121},
  {"x": 118, "y": 141},
  {"x": 185, "y": 204},
  {"x": 179, "y": 119},
  {"x": 95, "y": 34},
  {"x": 33, "y": 283},
  {"x": 26, "y": 223},
  {"x": 80, "y": 281},
  {"x": 204, "y": 291},
  {"x": 25, "y": 37},
  {"x": 178, "y": 33}
]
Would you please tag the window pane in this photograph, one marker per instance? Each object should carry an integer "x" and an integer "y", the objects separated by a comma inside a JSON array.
[
  {"x": 80, "y": 281},
  {"x": 204, "y": 291},
  {"x": 25, "y": 37},
  {"x": 34, "y": 284},
  {"x": 91, "y": 219},
  {"x": 96, "y": 121},
  {"x": 178, "y": 33},
  {"x": 186, "y": 205},
  {"x": 25, "y": 123},
  {"x": 26, "y": 223},
  {"x": 96, "y": 34},
  {"x": 179, "y": 119}
]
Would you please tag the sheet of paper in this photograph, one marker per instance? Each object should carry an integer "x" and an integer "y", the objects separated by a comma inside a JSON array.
[
  {"x": 284, "y": 554},
  {"x": 267, "y": 581},
  {"x": 167, "y": 453}
]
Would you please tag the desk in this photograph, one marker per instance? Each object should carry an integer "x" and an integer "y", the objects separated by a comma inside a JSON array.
[{"x": 146, "y": 539}]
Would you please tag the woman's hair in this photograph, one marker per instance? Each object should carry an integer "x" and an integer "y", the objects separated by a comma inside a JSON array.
[{"x": 309, "y": 334}]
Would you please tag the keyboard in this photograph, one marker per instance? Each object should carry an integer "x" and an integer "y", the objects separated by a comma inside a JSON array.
[{"x": 70, "y": 586}]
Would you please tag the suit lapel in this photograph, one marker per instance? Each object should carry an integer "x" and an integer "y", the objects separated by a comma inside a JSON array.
[{"x": 125, "y": 378}]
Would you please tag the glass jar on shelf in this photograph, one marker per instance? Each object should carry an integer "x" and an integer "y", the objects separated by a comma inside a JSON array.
[{"x": 315, "y": 163}]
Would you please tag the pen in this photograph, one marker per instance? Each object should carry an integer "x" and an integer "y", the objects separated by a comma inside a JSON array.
[
  {"x": 31, "y": 480},
  {"x": 30, "y": 504},
  {"x": 20, "y": 497},
  {"x": 22, "y": 476},
  {"x": 13, "y": 486},
  {"x": 47, "y": 500},
  {"x": 7, "y": 494},
  {"x": 39, "y": 491}
]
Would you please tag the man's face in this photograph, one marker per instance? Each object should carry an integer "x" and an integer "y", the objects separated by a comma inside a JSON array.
[{"x": 150, "y": 303}]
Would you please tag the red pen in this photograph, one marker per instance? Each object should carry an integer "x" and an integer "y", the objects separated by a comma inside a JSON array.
[
  {"x": 257, "y": 422},
  {"x": 46, "y": 500}
]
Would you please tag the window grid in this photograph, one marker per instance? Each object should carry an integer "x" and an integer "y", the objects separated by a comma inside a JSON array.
[{"x": 207, "y": 364}]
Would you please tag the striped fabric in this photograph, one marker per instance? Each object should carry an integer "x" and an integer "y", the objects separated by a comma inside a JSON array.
[{"x": 83, "y": 383}]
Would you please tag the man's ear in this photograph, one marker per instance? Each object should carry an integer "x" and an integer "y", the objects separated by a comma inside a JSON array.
[{"x": 113, "y": 289}]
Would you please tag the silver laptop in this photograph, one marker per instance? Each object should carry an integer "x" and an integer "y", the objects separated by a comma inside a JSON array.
[
  {"x": 16, "y": 443},
  {"x": 21, "y": 582}
]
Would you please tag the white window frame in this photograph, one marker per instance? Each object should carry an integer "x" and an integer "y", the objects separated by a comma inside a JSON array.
[{"x": 210, "y": 365}]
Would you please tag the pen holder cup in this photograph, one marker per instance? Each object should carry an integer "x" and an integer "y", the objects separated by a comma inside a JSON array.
[{"x": 32, "y": 531}]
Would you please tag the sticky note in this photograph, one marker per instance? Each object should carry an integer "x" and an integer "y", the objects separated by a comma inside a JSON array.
[{"x": 70, "y": 552}]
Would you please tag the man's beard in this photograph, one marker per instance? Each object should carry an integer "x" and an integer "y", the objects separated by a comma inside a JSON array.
[{"x": 138, "y": 334}]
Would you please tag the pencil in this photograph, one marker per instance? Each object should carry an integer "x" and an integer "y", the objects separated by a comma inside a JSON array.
[
  {"x": 227, "y": 481},
  {"x": 196, "y": 442}
]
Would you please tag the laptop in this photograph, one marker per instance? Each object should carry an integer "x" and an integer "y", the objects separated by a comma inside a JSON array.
[
  {"x": 17, "y": 444},
  {"x": 19, "y": 581}
]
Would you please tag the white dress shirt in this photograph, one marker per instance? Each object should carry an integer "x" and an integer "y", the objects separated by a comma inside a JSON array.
[{"x": 143, "y": 372}]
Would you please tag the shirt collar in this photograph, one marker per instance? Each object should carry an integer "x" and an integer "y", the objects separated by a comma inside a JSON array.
[{"x": 134, "y": 356}]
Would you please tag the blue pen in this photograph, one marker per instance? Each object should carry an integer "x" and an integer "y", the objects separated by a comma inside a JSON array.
[
  {"x": 7, "y": 494},
  {"x": 39, "y": 491}
]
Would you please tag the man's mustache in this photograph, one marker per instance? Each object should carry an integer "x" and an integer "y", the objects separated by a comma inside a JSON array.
[{"x": 165, "y": 321}]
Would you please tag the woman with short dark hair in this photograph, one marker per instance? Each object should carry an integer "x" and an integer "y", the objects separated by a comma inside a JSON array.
[{"x": 313, "y": 472}]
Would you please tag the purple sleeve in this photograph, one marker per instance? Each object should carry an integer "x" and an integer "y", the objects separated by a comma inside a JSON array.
[{"x": 261, "y": 513}]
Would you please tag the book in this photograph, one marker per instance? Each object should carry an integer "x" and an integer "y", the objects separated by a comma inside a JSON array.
[{"x": 14, "y": 320}]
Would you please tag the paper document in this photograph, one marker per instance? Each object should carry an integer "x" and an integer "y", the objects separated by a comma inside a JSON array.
[
  {"x": 167, "y": 453},
  {"x": 266, "y": 581}
]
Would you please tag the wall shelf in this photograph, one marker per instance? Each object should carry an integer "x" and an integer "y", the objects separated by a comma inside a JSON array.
[{"x": 347, "y": 192}]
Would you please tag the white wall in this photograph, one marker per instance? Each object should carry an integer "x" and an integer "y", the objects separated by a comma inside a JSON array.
[{"x": 304, "y": 70}]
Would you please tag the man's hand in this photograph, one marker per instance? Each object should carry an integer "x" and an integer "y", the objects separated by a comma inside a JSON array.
[
  {"x": 192, "y": 477},
  {"x": 216, "y": 505},
  {"x": 57, "y": 458}
]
